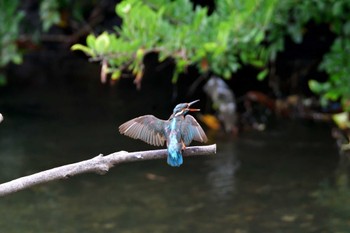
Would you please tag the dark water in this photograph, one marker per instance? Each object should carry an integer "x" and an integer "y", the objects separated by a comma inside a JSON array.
[{"x": 268, "y": 181}]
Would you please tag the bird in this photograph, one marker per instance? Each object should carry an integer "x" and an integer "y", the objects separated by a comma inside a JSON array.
[{"x": 178, "y": 131}]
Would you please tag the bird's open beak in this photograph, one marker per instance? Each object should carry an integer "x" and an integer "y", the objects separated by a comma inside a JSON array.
[{"x": 193, "y": 109}]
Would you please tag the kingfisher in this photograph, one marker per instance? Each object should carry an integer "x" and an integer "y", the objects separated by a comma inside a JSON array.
[{"x": 178, "y": 131}]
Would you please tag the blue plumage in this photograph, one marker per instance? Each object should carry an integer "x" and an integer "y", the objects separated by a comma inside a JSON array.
[
  {"x": 174, "y": 158},
  {"x": 174, "y": 142},
  {"x": 178, "y": 131}
]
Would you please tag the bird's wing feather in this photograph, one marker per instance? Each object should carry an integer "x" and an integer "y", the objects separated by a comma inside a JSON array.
[
  {"x": 147, "y": 128},
  {"x": 191, "y": 130}
]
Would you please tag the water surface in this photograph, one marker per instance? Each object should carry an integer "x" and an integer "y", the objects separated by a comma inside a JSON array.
[{"x": 258, "y": 182}]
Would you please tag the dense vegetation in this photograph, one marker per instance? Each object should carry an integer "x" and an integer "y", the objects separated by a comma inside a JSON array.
[
  {"x": 236, "y": 33},
  {"x": 219, "y": 39}
]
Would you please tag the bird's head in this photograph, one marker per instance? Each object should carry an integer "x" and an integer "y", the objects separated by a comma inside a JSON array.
[{"x": 182, "y": 109}]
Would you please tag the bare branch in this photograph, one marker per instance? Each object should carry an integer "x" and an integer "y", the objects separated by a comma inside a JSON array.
[{"x": 99, "y": 164}]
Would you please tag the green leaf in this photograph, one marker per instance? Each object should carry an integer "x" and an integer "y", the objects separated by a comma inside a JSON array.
[
  {"x": 244, "y": 57},
  {"x": 337, "y": 8},
  {"x": 224, "y": 33},
  {"x": 116, "y": 74},
  {"x": 139, "y": 54},
  {"x": 17, "y": 59},
  {"x": 123, "y": 8},
  {"x": 259, "y": 37},
  {"x": 102, "y": 43},
  {"x": 90, "y": 41},
  {"x": 256, "y": 63},
  {"x": 332, "y": 95},
  {"x": 262, "y": 74},
  {"x": 341, "y": 120},
  {"x": 234, "y": 66},
  {"x": 226, "y": 74},
  {"x": 83, "y": 48},
  {"x": 210, "y": 46},
  {"x": 314, "y": 86},
  {"x": 175, "y": 77}
]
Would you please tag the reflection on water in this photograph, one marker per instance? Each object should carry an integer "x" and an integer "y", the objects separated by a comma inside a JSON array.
[
  {"x": 259, "y": 182},
  {"x": 222, "y": 172},
  {"x": 335, "y": 195}
]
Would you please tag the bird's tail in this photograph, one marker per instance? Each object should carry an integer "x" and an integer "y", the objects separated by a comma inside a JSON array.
[{"x": 174, "y": 158}]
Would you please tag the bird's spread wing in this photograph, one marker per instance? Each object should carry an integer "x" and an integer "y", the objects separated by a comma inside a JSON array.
[
  {"x": 147, "y": 128},
  {"x": 191, "y": 130}
]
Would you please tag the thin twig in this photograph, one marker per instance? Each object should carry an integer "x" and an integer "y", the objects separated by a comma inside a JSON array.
[{"x": 99, "y": 164}]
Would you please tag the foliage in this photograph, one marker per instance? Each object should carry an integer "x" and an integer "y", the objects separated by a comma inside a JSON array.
[
  {"x": 55, "y": 12},
  {"x": 9, "y": 32},
  {"x": 12, "y": 26},
  {"x": 237, "y": 32},
  {"x": 336, "y": 63},
  {"x": 219, "y": 42},
  {"x": 11, "y": 19},
  {"x": 49, "y": 13}
]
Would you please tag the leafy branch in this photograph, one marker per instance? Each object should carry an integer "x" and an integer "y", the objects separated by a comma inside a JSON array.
[{"x": 217, "y": 42}]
